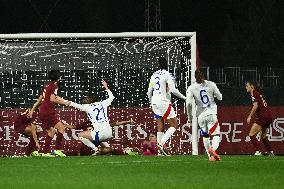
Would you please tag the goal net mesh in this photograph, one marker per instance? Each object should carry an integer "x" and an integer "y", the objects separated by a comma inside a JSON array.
[{"x": 125, "y": 63}]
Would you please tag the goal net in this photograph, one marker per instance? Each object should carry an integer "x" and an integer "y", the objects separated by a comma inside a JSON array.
[{"x": 125, "y": 60}]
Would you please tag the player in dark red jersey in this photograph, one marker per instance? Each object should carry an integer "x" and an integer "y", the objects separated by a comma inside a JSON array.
[
  {"x": 24, "y": 125},
  {"x": 47, "y": 114},
  {"x": 263, "y": 118},
  {"x": 149, "y": 147}
]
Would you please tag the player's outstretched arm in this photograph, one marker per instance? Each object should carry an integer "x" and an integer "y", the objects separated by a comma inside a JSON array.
[
  {"x": 58, "y": 100},
  {"x": 82, "y": 107},
  {"x": 110, "y": 98},
  {"x": 189, "y": 102},
  {"x": 117, "y": 123},
  {"x": 217, "y": 92},
  {"x": 35, "y": 106},
  {"x": 150, "y": 90},
  {"x": 174, "y": 90}
]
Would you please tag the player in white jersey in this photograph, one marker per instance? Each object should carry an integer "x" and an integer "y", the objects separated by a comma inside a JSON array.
[
  {"x": 97, "y": 114},
  {"x": 160, "y": 86},
  {"x": 202, "y": 93}
]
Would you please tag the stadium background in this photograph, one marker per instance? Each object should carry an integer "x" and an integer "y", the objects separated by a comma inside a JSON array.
[{"x": 237, "y": 41}]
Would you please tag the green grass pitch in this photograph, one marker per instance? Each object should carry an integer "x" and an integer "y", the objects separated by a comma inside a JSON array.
[{"x": 136, "y": 172}]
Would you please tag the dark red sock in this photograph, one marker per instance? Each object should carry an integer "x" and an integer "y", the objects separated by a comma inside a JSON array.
[
  {"x": 31, "y": 147},
  {"x": 255, "y": 143},
  {"x": 58, "y": 141},
  {"x": 267, "y": 144},
  {"x": 117, "y": 152},
  {"x": 46, "y": 145}
]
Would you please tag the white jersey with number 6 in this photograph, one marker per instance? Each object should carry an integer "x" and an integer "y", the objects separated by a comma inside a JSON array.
[{"x": 203, "y": 94}]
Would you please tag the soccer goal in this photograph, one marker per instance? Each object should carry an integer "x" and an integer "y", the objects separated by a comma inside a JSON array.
[{"x": 125, "y": 60}]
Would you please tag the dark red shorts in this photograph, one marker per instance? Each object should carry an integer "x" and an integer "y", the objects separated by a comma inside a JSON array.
[
  {"x": 48, "y": 120},
  {"x": 19, "y": 127},
  {"x": 264, "y": 120}
]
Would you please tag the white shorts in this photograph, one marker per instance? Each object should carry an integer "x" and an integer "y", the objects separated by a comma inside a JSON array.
[
  {"x": 209, "y": 124},
  {"x": 163, "y": 109},
  {"x": 101, "y": 132}
]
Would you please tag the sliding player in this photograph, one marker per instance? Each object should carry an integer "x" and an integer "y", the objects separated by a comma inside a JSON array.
[
  {"x": 202, "y": 93},
  {"x": 47, "y": 113},
  {"x": 161, "y": 84},
  {"x": 87, "y": 125},
  {"x": 24, "y": 125},
  {"x": 97, "y": 114},
  {"x": 263, "y": 118}
]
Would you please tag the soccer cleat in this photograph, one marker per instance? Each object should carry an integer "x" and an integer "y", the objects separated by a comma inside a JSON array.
[
  {"x": 211, "y": 158},
  {"x": 35, "y": 154},
  {"x": 161, "y": 150},
  {"x": 214, "y": 154},
  {"x": 58, "y": 153},
  {"x": 257, "y": 153},
  {"x": 46, "y": 155}
]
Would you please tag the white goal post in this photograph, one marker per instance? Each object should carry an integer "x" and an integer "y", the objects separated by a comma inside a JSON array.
[{"x": 191, "y": 64}]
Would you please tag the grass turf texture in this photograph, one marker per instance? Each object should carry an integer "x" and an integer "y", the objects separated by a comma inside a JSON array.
[{"x": 142, "y": 172}]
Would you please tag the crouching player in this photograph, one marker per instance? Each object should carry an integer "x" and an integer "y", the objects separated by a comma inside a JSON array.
[
  {"x": 202, "y": 93},
  {"x": 97, "y": 114},
  {"x": 149, "y": 147},
  {"x": 24, "y": 125}
]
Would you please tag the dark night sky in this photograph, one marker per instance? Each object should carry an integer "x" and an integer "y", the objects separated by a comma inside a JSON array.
[{"x": 230, "y": 32}]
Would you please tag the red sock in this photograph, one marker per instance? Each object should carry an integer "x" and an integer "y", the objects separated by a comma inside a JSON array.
[
  {"x": 47, "y": 142},
  {"x": 267, "y": 144},
  {"x": 31, "y": 147},
  {"x": 117, "y": 152},
  {"x": 255, "y": 143},
  {"x": 58, "y": 141}
]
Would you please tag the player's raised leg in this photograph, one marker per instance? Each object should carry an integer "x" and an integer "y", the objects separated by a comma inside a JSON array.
[{"x": 86, "y": 138}]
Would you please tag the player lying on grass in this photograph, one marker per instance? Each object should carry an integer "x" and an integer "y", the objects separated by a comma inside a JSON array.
[
  {"x": 202, "y": 93},
  {"x": 263, "y": 118},
  {"x": 24, "y": 125},
  {"x": 97, "y": 114},
  {"x": 161, "y": 84},
  {"x": 105, "y": 149},
  {"x": 47, "y": 113}
]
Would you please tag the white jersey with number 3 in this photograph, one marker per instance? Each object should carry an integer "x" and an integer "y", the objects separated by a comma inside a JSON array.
[{"x": 204, "y": 94}]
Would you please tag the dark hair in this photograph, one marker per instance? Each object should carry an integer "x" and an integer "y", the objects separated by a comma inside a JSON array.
[
  {"x": 54, "y": 75},
  {"x": 89, "y": 100},
  {"x": 162, "y": 63},
  {"x": 199, "y": 76},
  {"x": 152, "y": 133},
  {"x": 256, "y": 86}
]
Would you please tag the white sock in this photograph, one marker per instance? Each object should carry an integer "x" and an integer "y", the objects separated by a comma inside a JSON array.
[
  {"x": 168, "y": 135},
  {"x": 206, "y": 142},
  {"x": 215, "y": 142},
  {"x": 159, "y": 136},
  {"x": 88, "y": 143}
]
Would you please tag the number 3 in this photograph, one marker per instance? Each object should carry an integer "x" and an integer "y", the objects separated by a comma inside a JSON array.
[{"x": 158, "y": 85}]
